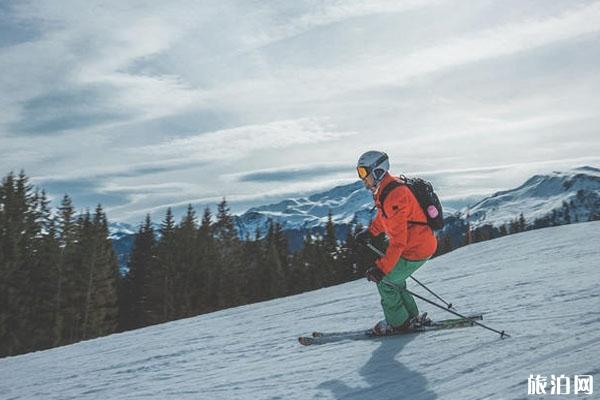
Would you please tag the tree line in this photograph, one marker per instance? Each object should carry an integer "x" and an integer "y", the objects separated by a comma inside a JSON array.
[
  {"x": 200, "y": 266},
  {"x": 60, "y": 281}
]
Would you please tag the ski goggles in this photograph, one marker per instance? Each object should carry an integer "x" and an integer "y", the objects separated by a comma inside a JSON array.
[{"x": 363, "y": 172}]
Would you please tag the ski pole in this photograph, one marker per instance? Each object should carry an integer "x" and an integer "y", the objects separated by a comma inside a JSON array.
[
  {"x": 381, "y": 254},
  {"x": 501, "y": 333}
]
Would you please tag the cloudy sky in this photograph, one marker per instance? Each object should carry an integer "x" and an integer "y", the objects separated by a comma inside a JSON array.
[{"x": 144, "y": 105}]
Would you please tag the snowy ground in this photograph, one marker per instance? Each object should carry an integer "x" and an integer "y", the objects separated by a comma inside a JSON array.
[{"x": 543, "y": 287}]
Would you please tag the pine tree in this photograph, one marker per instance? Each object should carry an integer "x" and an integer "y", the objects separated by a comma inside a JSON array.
[
  {"x": 252, "y": 253},
  {"x": 503, "y": 230},
  {"x": 207, "y": 280},
  {"x": 161, "y": 303},
  {"x": 136, "y": 284},
  {"x": 513, "y": 227},
  {"x": 230, "y": 273},
  {"x": 274, "y": 283},
  {"x": 566, "y": 212},
  {"x": 330, "y": 254},
  {"x": 444, "y": 244},
  {"x": 67, "y": 279},
  {"x": 297, "y": 276},
  {"x": 330, "y": 239},
  {"x": 447, "y": 244},
  {"x": 187, "y": 261},
  {"x": 280, "y": 243},
  {"x": 19, "y": 230},
  {"x": 78, "y": 282},
  {"x": 522, "y": 223},
  {"x": 467, "y": 237},
  {"x": 270, "y": 280},
  {"x": 99, "y": 312},
  {"x": 311, "y": 260},
  {"x": 347, "y": 269},
  {"x": 45, "y": 264}
]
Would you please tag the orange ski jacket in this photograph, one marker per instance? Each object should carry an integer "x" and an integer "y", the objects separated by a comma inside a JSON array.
[{"x": 407, "y": 240}]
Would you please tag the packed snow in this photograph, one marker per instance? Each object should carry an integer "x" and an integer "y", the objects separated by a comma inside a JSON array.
[{"x": 541, "y": 286}]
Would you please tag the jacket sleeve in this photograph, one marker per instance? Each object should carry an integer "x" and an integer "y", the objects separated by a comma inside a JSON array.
[
  {"x": 397, "y": 210},
  {"x": 376, "y": 228}
]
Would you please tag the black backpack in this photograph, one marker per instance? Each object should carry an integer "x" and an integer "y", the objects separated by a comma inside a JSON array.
[{"x": 425, "y": 195}]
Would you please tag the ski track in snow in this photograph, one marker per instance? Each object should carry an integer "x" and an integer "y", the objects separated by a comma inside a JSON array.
[{"x": 542, "y": 287}]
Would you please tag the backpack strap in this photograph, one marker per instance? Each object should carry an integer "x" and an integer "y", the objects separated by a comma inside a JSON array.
[
  {"x": 385, "y": 192},
  {"x": 388, "y": 189}
]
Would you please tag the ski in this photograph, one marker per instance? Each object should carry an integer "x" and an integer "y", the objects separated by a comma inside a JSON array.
[
  {"x": 330, "y": 337},
  {"x": 435, "y": 324}
]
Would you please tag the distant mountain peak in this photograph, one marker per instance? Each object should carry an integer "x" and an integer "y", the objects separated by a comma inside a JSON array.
[
  {"x": 540, "y": 195},
  {"x": 588, "y": 169}
]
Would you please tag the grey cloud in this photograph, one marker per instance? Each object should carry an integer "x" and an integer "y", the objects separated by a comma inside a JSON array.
[
  {"x": 89, "y": 191},
  {"x": 470, "y": 171},
  {"x": 181, "y": 125},
  {"x": 93, "y": 182},
  {"x": 83, "y": 192},
  {"x": 150, "y": 169},
  {"x": 283, "y": 175},
  {"x": 67, "y": 109},
  {"x": 14, "y": 31},
  {"x": 73, "y": 121}
]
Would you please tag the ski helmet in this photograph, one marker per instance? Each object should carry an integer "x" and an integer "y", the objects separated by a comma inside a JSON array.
[{"x": 375, "y": 163}]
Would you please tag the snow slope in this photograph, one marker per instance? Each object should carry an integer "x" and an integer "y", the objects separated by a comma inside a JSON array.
[{"x": 541, "y": 286}]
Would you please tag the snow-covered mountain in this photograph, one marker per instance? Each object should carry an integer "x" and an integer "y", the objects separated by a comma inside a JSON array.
[
  {"x": 539, "y": 196},
  {"x": 118, "y": 230},
  {"x": 348, "y": 204},
  {"x": 577, "y": 190},
  {"x": 540, "y": 286}
]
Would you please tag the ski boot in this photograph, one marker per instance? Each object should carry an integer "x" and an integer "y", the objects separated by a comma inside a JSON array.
[
  {"x": 383, "y": 328},
  {"x": 421, "y": 320}
]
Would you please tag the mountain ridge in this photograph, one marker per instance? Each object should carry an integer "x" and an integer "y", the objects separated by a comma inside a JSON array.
[
  {"x": 294, "y": 213},
  {"x": 540, "y": 196}
]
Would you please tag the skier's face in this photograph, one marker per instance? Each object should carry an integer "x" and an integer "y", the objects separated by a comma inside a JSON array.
[{"x": 370, "y": 183}]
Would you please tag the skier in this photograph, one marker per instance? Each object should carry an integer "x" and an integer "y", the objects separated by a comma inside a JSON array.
[{"x": 411, "y": 242}]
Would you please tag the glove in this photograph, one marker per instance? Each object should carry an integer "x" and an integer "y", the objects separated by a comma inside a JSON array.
[
  {"x": 374, "y": 274},
  {"x": 363, "y": 236}
]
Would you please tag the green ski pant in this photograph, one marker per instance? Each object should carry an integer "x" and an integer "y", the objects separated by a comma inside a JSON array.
[{"x": 399, "y": 305}]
